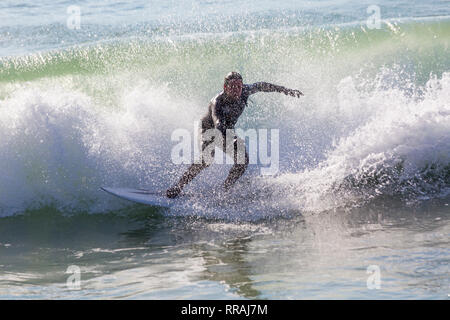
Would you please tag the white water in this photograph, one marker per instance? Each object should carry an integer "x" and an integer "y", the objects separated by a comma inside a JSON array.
[{"x": 59, "y": 145}]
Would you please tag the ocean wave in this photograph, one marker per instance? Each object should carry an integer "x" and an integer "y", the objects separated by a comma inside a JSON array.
[
  {"x": 402, "y": 150},
  {"x": 409, "y": 40},
  {"x": 374, "y": 120}
]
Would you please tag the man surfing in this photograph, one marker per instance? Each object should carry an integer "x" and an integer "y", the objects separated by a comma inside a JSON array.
[{"x": 224, "y": 111}]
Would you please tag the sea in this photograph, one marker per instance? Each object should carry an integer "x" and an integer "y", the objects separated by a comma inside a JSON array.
[{"x": 95, "y": 94}]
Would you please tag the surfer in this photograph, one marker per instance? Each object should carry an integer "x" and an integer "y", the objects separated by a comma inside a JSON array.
[{"x": 223, "y": 113}]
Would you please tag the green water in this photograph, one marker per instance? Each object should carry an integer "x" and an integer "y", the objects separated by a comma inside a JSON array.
[{"x": 141, "y": 254}]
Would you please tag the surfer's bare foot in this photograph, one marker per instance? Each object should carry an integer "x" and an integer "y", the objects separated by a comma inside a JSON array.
[{"x": 173, "y": 192}]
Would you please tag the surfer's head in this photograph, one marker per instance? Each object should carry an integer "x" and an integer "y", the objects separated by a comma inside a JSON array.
[{"x": 233, "y": 85}]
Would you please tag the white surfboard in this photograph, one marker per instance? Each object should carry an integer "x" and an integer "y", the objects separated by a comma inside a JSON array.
[{"x": 144, "y": 196}]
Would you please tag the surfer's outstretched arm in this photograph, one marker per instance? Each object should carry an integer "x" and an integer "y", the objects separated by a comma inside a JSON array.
[{"x": 269, "y": 87}]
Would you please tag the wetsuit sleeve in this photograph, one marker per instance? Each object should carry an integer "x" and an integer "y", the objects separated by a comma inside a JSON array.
[{"x": 264, "y": 87}]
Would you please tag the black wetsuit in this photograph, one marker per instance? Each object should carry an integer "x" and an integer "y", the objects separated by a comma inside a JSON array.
[{"x": 223, "y": 113}]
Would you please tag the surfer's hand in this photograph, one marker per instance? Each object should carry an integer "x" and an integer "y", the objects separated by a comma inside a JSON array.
[{"x": 293, "y": 93}]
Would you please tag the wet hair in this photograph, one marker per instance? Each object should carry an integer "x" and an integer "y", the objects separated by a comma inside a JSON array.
[{"x": 231, "y": 76}]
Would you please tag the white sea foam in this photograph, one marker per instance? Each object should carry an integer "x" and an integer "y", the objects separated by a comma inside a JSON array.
[{"x": 402, "y": 149}]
